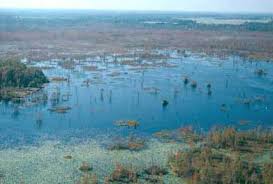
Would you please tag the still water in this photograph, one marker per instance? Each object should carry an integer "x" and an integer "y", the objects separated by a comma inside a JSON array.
[{"x": 101, "y": 92}]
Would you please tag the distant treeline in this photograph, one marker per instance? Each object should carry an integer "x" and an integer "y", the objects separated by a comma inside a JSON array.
[{"x": 29, "y": 20}]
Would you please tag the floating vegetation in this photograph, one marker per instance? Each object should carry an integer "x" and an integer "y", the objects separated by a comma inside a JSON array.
[
  {"x": 59, "y": 79},
  {"x": 68, "y": 157},
  {"x": 122, "y": 174},
  {"x": 16, "y": 94},
  {"x": 127, "y": 123},
  {"x": 185, "y": 134},
  {"x": 60, "y": 109},
  {"x": 88, "y": 179},
  {"x": 13, "y": 162},
  {"x": 132, "y": 144},
  {"x": 165, "y": 135},
  {"x": 156, "y": 170},
  {"x": 114, "y": 74},
  {"x": 188, "y": 135},
  {"x": 154, "y": 174},
  {"x": 85, "y": 167}
]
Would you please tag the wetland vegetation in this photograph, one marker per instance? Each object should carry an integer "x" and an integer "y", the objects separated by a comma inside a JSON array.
[
  {"x": 18, "y": 81},
  {"x": 135, "y": 98}
]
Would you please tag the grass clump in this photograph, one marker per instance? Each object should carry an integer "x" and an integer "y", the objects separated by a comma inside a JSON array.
[
  {"x": 85, "y": 167},
  {"x": 131, "y": 144},
  {"x": 60, "y": 109},
  {"x": 88, "y": 179},
  {"x": 247, "y": 141},
  {"x": 122, "y": 174},
  {"x": 208, "y": 165},
  {"x": 226, "y": 156}
]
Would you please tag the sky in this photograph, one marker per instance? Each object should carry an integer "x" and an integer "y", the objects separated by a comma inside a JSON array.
[{"x": 265, "y": 6}]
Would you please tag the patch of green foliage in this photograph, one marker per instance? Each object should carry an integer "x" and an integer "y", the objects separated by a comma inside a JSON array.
[{"x": 17, "y": 75}]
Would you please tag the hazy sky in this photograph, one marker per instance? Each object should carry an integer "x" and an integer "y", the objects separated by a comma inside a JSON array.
[{"x": 173, "y": 5}]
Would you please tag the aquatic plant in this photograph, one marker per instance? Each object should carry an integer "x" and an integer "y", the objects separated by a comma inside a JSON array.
[
  {"x": 223, "y": 138},
  {"x": 68, "y": 157},
  {"x": 16, "y": 94},
  {"x": 188, "y": 135},
  {"x": 268, "y": 173},
  {"x": 88, "y": 179},
  {"x": 184, "y": 134},
  {"x": 207, "y": 165},
  {"x": 132, "y": 144},
  {"x": 60, "y": 109},
  {"x": 85, "y": 167},
  {"x": 90, "y": 68},
  {"x": 123, "y": 175},
  {"x": 59, "y": 79},
  {"x": 156, "y": 170},
  {"x": 165, "y": 135},
  {"x": 247, "y": 141}
]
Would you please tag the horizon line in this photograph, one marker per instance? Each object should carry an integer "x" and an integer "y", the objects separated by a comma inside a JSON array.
[{"x": 136, "y": 10}]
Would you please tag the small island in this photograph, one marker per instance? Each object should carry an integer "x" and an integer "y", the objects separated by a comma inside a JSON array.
[{"x": 18, "y": 81}]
